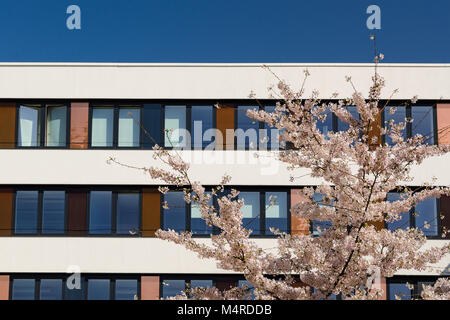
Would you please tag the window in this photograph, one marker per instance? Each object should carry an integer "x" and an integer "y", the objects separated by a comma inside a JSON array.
[
  {"x": 56, "y": 126},
  {"x": 248, "y": 285},
  {"x": 35, "y": 207},
  {"x": 399, "y": 291},
  {"x": 102, "y": 127},
  {"x": 50, "y": 289},
  {"x": 26, "y": 212},
  {"x": 247, "y": 132},
  {"x": 42, "y": 125},
  {"x": 270, "y": 136},
  {"x": 397, "y": 114},
  {"x": 423, "y": 122},
  {"x": 126, "y": 289},
  {"x": 343, "y": 126},
  {"x": 114, "y": 212},
  {"x": 53, "y": 212},
  {"x": 276, "y": 211},
  {"x": 23, "y": 289},
  {"x": 128, "y": 212},
  {"x": 64, "y": 287},
  {"x": 100, "y": 211},
  {"x": 327, "y": 125},
  {"x": 251, "y": 211},
  {"x": 175, "y": 216},
  {"x": 129, "y": 131},
  {"x": 404, "y": 221},
  {"x": 201, "y": 122},
  {"x": 319, "y": 226},
  {"x": 423, "y": 216},
  {"x": 175, "y": 127},
  {"x": 198, "y": 225},
  {"x": 99, "y": 289},
  {"x": 29, "y": 126},
  {"x": 174, "y": 287}
]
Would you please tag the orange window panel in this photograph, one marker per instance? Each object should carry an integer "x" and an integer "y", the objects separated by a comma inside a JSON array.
[
  {"x": 79, "y": 124},
  {"x": 225, "y": 124},
  {"x": 298, "y": 225},
  {"x": 443, "y": 123},
  {"x": 7, "y": 125},
  {"x": 151, "y": 211},
  {"x": 4, "y": 287}
]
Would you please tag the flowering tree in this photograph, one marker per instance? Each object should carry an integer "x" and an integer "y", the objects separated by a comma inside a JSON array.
[{"x": 357, "y": 172}]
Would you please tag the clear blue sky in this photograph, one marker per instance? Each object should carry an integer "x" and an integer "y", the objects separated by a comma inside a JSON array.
[{"x": 223, "y": 31}]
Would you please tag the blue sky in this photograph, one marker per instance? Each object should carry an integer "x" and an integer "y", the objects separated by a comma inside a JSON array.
[{"x": 223, "y": 31}]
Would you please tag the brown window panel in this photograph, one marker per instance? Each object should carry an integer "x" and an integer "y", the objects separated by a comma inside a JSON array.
[
  {"x": 7, "y": 125},
  {"x": 6, "y": 208},
  {"x": 445, "y": 210},
  {"x": 4, "y": 287},
  {"x": 225, "y": 122},
  {"x": 151, "y": 211},
  {"x": 77, "y": 219},
  {"x": 443, "y": 123},
  {"x": 79, "y": 124},
  {"x": 375, "y": 132}
]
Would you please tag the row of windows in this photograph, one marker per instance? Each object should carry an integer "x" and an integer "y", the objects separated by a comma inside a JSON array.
[
  {"x": 424, "y": 216},
  {"x": 119, "y": 212},
  {"x": 111, "y": 126},
  {"x": 262, "y": 210},
  {"x": 181, "y": 126},
  {"x": 45, "y": 212},
  {"x": 404, "y": 288},
  {"x": 70, "y": 288},
  {"x": 424, "y": 121}
]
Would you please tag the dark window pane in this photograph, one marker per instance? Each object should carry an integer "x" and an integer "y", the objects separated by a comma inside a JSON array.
[
  {"x": 56, "y": 126},
  {"x": 29, "y": 126},
  {"x": 343, "y": 126},
  {"x": 427, "y": 217},
  {"x": 251, "y": 211},
  {"x": 129, "y": 131},
  {"x": 99, "y": 289},
  {"x": 53, "y": 212},
  {"x": 26, "y": 211},
  {"x": 399, "y": 290},
  {"x": 23, "y": 289},
  {"x": 51, "y": 289},
  {"x": 175, "y": 216},
  {"x": 127, "y": 212},
  {"x": 201, "y": 284},
  {"x": 126, "y": 289},
  {"x": 404, "y": 221},
  {"x": 74, "y": 290},
  {"x": 100, "y": 212},
  {"x": 247, "y": 132},
  {"x": 152, "y": 124},
  {"x": 317, "y": 225},
  {"x": 276, "y": 211},
  {"x": 398, "y": 116},
  {"x": 198, "y": 225},
  {"x": 326, "y": 125},
  {"x": 270, "y": 138},
  {"x": 242, "y": 283},
  {"x": 423, "y": 122},
  {"x": 201, "y": 121},
  {"x": 171, "y": 288},
  {"x": 102, "y": 126}
]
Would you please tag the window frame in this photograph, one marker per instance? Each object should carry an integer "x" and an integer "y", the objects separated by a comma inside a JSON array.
[
  {"x": 262, "y": 202},
  {"x": 43, "y": 105},
  {"x": 116, "y": 106},
  {"x": 84, "y": 281},
  {"x": 114, "y": 211},
  {"x": 40, "y": 212},
  {"x": 412, "y": 220}
]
